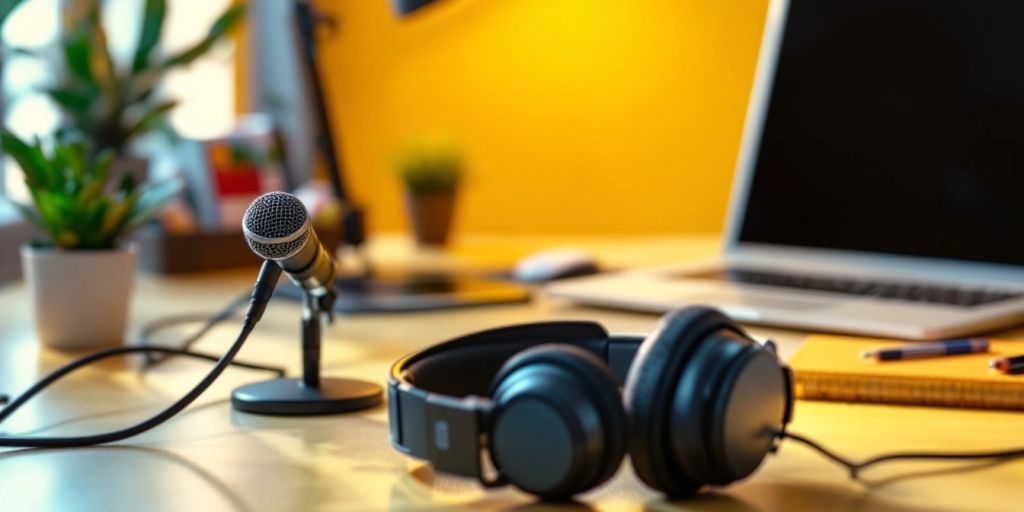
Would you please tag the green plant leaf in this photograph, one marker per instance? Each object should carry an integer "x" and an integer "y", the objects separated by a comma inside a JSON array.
[
  {"x": 72, "y": 201},
  {"x": 105, "y": 73},
  {"x": 114, "y": 217},
  {"x": 144, "y": 92},
  {"x": 152, "y": 26},
  {"x": 430, "y": 168},
  {"x": 78, "y": 54},
  {"x": 224, "y": 23},
  {"x": 72, "y": 159},
  {"x": 97, "y": 176},
  {"x": 151, "y": 118},
  {"x": 53, "y": 176},
  {"x": 95, "y": 213},
  {"x": 73, "y": 101},
  {"x": 50, "y": 213},
  {"x": 35, "y": 168},
  {"x": 61, "y": 166},
  {"x": 77, "y": 160}
]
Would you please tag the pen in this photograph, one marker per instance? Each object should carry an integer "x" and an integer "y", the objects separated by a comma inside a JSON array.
[
  {"x": 928, "y": 349},
  {"x": 1008, "y": 364}
]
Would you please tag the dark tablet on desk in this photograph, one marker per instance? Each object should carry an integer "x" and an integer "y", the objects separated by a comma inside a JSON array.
[{"x": 406, "y": 292}]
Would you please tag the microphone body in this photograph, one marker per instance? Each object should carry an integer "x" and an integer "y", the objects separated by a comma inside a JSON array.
[{"x": 277, "y": 227}]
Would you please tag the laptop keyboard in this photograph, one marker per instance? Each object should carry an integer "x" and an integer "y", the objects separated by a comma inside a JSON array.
[{"x": 911, "y": 292}]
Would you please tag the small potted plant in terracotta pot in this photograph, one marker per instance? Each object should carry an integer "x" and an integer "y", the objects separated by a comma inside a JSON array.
[
  {"x": 80, "y": 278},
  {"x": 431, "y": 175}
]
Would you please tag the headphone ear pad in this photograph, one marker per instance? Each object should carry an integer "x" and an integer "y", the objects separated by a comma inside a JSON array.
[
  {"x": 650, "y": 390},
  {"x": 558, "y": 427}
]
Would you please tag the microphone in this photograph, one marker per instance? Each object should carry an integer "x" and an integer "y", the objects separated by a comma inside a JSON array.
[{"x": 277, "y": 227}]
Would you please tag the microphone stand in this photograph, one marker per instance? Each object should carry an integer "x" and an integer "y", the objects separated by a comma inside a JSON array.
[{"x": 311, "y": 394}]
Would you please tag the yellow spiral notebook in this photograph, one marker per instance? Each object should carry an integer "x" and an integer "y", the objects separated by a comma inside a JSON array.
[{"x": 830, "y": 368}]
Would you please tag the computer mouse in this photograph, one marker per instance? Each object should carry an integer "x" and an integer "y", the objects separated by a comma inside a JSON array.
[{"x": 555, "y": 264}]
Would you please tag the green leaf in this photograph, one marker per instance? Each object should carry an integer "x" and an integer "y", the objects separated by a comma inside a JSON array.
[
  {"x": 36, "y": 169},
  {"x": 149, "y": 37},
  {"x": 220, "y": 27},
  {"x": 53, "y": 177},
  {"x": 50, "y": 213},
  {"x": 71, "y": 100},
  {"x": 115, "y": 216},
  {"x": 151, "y": 118},
  {"x": 61, "y": 165},
  {"x": 76, "y": 158},
  {"x": 143, "y": 95},
  {"x": 67, "y": 239},
  {"x": 72, "y": 159},
  {"x": 73, "y": 201},
  {"x": 103, "y": 70},
  {"x": 78, "y": 55},
  {"x": 97, "y": 176},
  {"x": 95, "y": 213}
]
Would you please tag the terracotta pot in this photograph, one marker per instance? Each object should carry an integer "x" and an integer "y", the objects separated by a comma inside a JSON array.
[
  {"x": 80, "y": 298},
  {"x": 430, "y": 215}
]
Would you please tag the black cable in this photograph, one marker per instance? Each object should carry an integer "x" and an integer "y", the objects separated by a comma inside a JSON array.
[
  {"x": 39, "y": 386},
  {"x": 261, "y": 293},
  {"x": 209, "y": 322},
  {"x": 856, "y": 467},
  {"x": 117, "y": 435}
]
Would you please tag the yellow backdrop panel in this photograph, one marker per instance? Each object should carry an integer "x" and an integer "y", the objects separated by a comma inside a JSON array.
[{"x": 574, "y": 115}]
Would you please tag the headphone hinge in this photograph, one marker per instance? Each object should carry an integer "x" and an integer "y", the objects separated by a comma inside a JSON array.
[{"x": 454, "y": 434}]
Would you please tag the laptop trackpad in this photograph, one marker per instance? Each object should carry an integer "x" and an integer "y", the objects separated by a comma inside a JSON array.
[{"x": 756, "y": 301}]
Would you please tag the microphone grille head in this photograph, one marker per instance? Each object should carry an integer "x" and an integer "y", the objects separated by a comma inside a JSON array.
[
  {"x": 275, "y": 215},
  {"x": 278, "y": 251},
  {"x": 276, "y": 225}
]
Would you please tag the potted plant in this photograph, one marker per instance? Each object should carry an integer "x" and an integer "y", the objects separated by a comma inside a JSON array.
[
  {"x": 80, "y": 278},
  {"x": 111, "y": 105},
  {"x": 431, "y": 175}
]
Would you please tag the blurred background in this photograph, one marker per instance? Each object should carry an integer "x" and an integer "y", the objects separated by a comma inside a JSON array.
[
  {"x": 573, "y": 116},
  {"x": 565, "y": 117}
]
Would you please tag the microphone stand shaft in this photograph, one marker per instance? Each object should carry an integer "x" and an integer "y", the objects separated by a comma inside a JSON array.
[{"x": 311, "y": 337}]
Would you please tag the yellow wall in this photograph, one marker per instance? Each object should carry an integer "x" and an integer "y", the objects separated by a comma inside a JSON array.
[{"x": 574, "y": 115}]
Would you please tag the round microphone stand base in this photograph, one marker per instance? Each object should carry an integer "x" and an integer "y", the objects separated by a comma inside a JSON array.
[
  {"x": 311, "y": 394},
  {"x": 292, "y": 397}
]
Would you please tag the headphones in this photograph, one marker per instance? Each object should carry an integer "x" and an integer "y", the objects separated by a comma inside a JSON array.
[{"x": 702, "y": 404}]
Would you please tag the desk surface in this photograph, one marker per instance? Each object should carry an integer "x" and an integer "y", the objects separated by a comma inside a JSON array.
[{"x": 211, "y": 457}]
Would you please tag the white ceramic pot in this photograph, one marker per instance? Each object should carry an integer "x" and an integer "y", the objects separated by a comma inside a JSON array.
[{"x": 80, "y": 298}]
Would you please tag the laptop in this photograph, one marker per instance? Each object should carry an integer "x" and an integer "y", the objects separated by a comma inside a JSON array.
[{"x": 879, "y": 188}]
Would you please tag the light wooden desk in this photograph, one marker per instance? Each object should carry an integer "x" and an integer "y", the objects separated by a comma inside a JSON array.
[{"x": 212, "y": 458}]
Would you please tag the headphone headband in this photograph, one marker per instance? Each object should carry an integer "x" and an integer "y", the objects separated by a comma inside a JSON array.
[{"x": 437, "y": 396}]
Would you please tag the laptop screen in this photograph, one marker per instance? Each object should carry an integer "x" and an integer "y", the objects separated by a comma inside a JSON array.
[{"x": 895, "y": 126}]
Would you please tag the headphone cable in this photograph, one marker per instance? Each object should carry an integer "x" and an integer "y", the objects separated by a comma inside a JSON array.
[{"x": 856, "y": 467}]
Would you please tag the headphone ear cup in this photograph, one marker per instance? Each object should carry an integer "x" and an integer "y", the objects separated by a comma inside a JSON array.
[
  {"x": 558, "y": 427},
  {"x": 751, "y": 400},
  {"x": 649, "y": 394}
]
